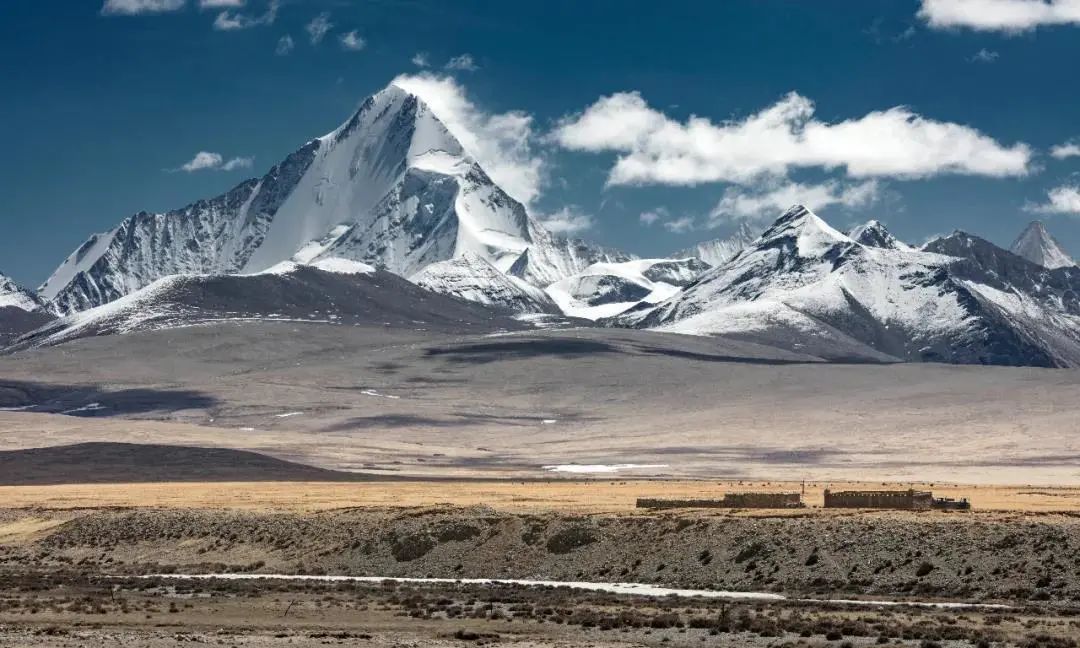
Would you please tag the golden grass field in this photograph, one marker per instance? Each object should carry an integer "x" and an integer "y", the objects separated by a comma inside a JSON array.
[{"x": 587, "y": 496}]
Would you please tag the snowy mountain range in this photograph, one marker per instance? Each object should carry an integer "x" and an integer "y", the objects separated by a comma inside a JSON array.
[
  {"x": 802, "y": 284},
  {"x": 392, "y": 187},
  {"x": 388, "y": 219}
]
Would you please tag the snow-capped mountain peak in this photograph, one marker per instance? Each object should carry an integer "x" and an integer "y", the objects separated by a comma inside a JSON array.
[
  {"x": 1037, "y": 245},
  {"x": 812, "y": 236},
  {"x": 391, "y": 187},
  {"x": 20, "y": 310},
  {"x": 873, "y": 233},
  {"x": 12, "y": 295},
  {"x": 717, "y": 251}
]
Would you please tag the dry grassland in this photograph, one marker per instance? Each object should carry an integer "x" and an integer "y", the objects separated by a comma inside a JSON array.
[{"x": 585, "y": 496}]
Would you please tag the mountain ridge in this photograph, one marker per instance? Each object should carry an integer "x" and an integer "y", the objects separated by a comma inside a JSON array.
[
  {"x": 959, "y": 299},
  {"x": 391, "y": 186}
]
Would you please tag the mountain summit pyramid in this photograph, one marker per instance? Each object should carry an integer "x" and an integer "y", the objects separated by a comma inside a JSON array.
[
  {"x": 392, "y": 187},
  {"x": 1036, "y": 245}
]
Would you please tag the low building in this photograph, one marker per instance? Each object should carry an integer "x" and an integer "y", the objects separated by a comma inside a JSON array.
[
  {"x": 909, "y": 500},
  {"x": 730, "y": 500}
]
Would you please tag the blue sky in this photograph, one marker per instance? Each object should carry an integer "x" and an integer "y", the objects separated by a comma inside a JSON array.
[{"x": 930, "y": 115}]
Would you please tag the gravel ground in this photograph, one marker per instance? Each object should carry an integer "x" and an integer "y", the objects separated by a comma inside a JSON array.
[{"x": 973, "y": 557}]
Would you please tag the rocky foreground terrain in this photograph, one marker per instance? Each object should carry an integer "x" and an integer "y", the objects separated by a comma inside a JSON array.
[
  {"x": 973, "y": 556},
  {"x": 76, "y": 577}
]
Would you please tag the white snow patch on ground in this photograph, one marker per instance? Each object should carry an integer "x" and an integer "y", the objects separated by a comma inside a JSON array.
[
  {"x": 92, "y": 407},
  {"x": 372, "y": 392},
  {"x": 329, "y": 264},
  {"x": 343, "y": 266},
  {"x": 287, "y": 414},
  {"x": 600, "y": 468},
  {"x": 633, "y": 589}
]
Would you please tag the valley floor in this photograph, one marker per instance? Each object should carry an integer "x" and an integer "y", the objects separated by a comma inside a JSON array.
[
  {"x": 91, "y": 569},
  {"x": 408, "y": 404},
  {"x": 566, "y": 495}
]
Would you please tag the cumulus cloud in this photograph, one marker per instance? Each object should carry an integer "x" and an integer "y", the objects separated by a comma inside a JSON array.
[
  {"x": 352, "y": 41},
  {"x": 649, "y": 218},
  {"x": 1066, "y": 150},
  {"x": 234, "y": 20},
  {"x": 318, "y": 27},
  {"x": 679, "y": 225},
  {"x": 420, "y": 59},
  {"x": 238, "y": 163},
  {"x": 1059, "y": 200},
  {"x": 766, "y": 202},
  {"x": 999, "y": 15},
  {"x": 463, "y": 63},
  {"x": 285, "y": 46},
  {"x": 504, "y": 144},
  {"x": 210, "y": 161},
  {"x": 652, "y": 148},
  {"x": 984, "y": 56},
  {"x": 568, "y": 220},
  {"x": 136, "y": 7}
]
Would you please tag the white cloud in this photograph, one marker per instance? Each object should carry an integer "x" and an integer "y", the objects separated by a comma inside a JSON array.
[
  {"x": 209, "y": 161},
  {"x": 999, "y": 15},
  {"x": 232, "y": 21},
  {"x": 679, "y": 225},
  {"x": 318, "y": 27},
  {"x": 464, "y": 63},
  {"x": 420, "y": 59},
  {"x": 285, "y": 46},
  {"x": 984, "y": 56},
  {"x": 221, "y": 4},
  {"x": 203, "y": 160},
  {"x": 1066, "y": 150},
  {"x": 238, "y": 163},
  {"x": 503, "y": 143},
  {"x": 1059, "y": 200},
  {"x": 352, "y": 41},
  {"x": 649, "y": 218},
  {"x": 568, "y": 220},
  {"x": 765, "y": 203},
  {"x": 136, "y": 7},
  {"x": 655, "y": 149}
]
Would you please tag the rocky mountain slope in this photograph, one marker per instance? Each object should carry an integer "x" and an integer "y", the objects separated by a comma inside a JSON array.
[
  {"x": 328, "y": 291},
  {"x": 717, "y": 251},
  {"x": 20, "y": 310},
  {"x": 392, "y": 187},
  {"x": 1037, "y": 246},
  {"x": 473, "y": 278},
  {"x": 608, "y": 289},
  {"x": 960, "y": 299}
]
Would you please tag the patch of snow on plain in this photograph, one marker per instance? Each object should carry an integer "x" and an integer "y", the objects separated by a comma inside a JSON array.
[
  {"x": 600, "y": 468},
  {"x": 632, "y": 589},
  {"x": 91, "y": 407},
  {"x": 372, "y": 392}
]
